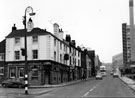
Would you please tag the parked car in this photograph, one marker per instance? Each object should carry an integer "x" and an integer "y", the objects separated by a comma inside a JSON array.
[
  {"x": 115, "y": 75},
  {"x": 111, "y": 73},
  {"x": 16, "y": 82},
  {"x": 99, "y": 76}
]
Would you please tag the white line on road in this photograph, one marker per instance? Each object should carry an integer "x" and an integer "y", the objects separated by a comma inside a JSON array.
[
  {"x": 86, "y": 94},
  {"x": 89, "y": 91},
  {"x": 94, "y": 87}
]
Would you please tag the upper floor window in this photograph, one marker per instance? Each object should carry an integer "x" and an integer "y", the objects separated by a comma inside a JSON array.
[
  {"x": 78, "y": 62},
  {"x": 17, "y": 41},
  {"x": 54, "y": 55},
  {"x": 60, "y": 45},
  {"x": 61, "y": 58},
  {"x": 65, "y": 48},
  {"x": 74, "y": 52},
  {"x": 1, "y": 56},
  {"x": 35, "y": 39},
  {"x": 35, "y": 54},
  {"x": 54, "y": 42},
  {"x": 17, "y": 55}
]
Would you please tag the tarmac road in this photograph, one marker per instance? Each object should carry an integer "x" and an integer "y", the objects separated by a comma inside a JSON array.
[{"x": 108, "y": 87}]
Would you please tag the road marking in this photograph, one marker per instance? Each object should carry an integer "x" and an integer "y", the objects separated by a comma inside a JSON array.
[
  {"x": 91, "y": 89},
  {"x": 86, "y": 94}
]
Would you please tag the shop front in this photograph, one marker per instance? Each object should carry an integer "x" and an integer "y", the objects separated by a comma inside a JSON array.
[{"x": 39, "y": 72}]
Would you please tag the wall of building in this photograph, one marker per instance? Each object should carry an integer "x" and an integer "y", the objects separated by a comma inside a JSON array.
[{"x": 117, "y": 61}]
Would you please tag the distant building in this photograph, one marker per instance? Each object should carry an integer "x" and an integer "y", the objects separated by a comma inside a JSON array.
[
  {"x": 97, "y": 63},
  {"x": 128, "y": 35},
  {"x": 86, "y": 63},
  {"x": 132, "y": 31},
  {"x": 91, "y": 54},
  {"x": 74, "y": 59},
  {"x": 126, "y": 44},
  {"x": 117, "y": 61},
  {"x": 126, "y": 41}
]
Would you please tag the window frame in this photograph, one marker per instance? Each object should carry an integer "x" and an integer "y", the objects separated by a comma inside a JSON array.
[
  {"x": 60, "y": 45},
  {"x": 20, "y": 71},
  {"x": 55, "y": 56},
  {"x": 17, "y": 56},
  {"x": 11, "y": 71},
  {"x": 55, "y": 42},
  {"x": 35, "y": 39},
  {"x": 35, "y": 54},
  {"x": 17, "y": 40}
]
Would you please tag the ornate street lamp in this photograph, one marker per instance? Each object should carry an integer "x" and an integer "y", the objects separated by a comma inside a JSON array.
[{"x": 29, "y": 10}]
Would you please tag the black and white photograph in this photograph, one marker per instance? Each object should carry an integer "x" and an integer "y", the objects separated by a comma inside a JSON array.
[{"x": 67, "y": 48}]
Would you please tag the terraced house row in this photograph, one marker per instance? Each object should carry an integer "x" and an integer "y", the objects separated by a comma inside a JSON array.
[{"x": 51, "y": 58}]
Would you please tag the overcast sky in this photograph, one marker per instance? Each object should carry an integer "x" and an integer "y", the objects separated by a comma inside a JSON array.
[{"x": 93, "y": 23}]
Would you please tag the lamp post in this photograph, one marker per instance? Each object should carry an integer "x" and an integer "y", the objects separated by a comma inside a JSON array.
[{"x": 27, "y": 10}]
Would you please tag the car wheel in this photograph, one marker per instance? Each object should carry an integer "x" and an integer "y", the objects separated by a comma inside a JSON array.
[{"x": 4, "y": 85}]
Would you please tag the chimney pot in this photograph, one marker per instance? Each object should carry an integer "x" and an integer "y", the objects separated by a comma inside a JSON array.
[{"x": 14, "y": 28}]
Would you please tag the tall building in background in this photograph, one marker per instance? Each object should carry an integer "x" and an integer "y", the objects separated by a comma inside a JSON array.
[
  {"x": 132, "y": 33},
  {"x": 126, "y": 44},
  {"x": 128, "y": 38}
]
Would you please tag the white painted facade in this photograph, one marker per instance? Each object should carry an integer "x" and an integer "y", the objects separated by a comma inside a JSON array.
[
  {"x": 49, "y": 46},
  {"x": 45, "y": 47}
]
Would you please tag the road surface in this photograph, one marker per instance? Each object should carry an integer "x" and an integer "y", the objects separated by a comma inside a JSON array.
[{"x": 107, "y": 87}]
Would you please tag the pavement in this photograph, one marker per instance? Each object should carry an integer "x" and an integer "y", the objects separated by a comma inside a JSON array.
[
  {"x": 128, "y": 81},
  {"x": 57, "y": 85}
]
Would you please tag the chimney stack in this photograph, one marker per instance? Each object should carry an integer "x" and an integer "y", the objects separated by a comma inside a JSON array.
[
  {"x": 68, "y": 38},
  {"x": 73, "y": 42},
  {"x": 14, "y": 28},
  {"x": 132, "y": 33},
  {"x": 56, "y": 29}
]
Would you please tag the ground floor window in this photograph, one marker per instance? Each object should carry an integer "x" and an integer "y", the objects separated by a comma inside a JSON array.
[
  {"x": 12, "y": 72},
  {"x": 34, "y": 73},
  {"x": 1, "y": 70},
  {"x": 21, "y": 72}
]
